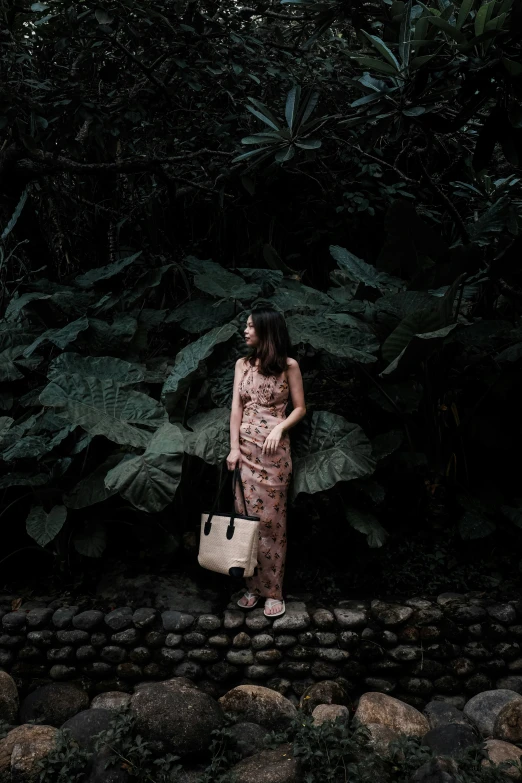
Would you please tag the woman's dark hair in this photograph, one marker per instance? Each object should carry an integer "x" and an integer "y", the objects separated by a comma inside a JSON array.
[{"x": 274, "y": 346}]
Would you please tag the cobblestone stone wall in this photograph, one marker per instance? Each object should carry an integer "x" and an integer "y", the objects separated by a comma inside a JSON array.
[{"x": 448, "y": 646}]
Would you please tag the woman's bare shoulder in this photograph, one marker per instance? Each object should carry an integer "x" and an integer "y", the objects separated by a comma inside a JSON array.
[
  {"x": 241, "y": 362},
  {"x": 291, "y": 364}
]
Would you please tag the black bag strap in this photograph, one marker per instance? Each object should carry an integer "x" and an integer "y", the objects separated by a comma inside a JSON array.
[{"x": 235, "y": 479}]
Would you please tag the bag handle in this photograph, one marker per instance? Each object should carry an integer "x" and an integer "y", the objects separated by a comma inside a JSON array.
[{"x": 235, "y": 479}]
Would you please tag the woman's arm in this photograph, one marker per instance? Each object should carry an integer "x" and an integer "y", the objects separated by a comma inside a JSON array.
[
  {"x": 295, "y": 383},
  {"x": 236, "y": 415}
]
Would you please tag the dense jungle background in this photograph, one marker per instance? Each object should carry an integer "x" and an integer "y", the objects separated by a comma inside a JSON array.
[{"x": 165, "y": 166}]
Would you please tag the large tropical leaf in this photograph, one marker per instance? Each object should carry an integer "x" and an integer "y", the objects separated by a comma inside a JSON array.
[
  {"x": 5, "y": 425},
  {"x": 28, "y": 447},
  {"x": 406, "y": 396},
  {"x": 60, "y": 337},
  {"x": 92, "y": 489},
  {"x": 17, "y": 304},
  {"x": 209, "y": 438},
  {"x": 514, "y": 512},
  {"x": 327, "y": 335},
  {"x": 91, "y": 540},
  {"x": 361, "y": 272},
  {"x": 105, "y": 407},
  {"x": 113, "y": 338},
  {"x": 271, "y": 278},
  {"x": 105, "y": 272},
  {"x": 19, "y": 479},
  {"x": 221, "y": 378},
  {"x": 427, "y": 320},
  {"x": 151, "y": 279},
  {"x": 189, "y": 360},
  {"x": 293, "y": 295},
  {"x": 367, "y": 524},
  {"x": 43, "y": 526},
  {"x": 391, "y": 308},
  {"x": 150, "y": 481},
  {"x": 200, "y": 315},
  {"x": 419, "y": 347},
  {"x": 217, "y": 281},
  {"x": 102, "y": 367},
  {"x": 326, "y": 449}
]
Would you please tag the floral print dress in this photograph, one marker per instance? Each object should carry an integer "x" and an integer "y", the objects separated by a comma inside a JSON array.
[{"x": 265, "y": 477}]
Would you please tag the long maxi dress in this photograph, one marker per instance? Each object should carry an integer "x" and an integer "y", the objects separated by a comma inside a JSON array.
[{"x": 265, "y": 477}]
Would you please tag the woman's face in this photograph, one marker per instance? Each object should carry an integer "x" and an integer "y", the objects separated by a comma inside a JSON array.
[{"x": 251, "y": 337}]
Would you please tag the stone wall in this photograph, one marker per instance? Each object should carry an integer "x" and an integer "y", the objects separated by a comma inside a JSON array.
[{"x": 446, "y": 647}]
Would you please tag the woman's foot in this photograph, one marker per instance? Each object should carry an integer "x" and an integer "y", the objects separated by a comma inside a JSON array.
[
  {"x": 248, "y": 600},
  {"x": 274, "y": 607}
]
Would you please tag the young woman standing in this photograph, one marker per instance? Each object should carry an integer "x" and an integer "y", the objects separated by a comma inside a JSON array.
[{"x": 260, "y": 443}]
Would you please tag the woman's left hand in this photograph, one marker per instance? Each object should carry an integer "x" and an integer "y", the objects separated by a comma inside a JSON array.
[{"x": 272, "y": 440}]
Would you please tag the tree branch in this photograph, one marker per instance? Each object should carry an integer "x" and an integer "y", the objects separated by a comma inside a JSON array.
[
  {"x": 40, "y": 163},
  {"x": 445, "y": 200}
]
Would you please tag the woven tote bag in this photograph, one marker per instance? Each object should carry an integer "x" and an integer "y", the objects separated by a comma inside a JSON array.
[{"x": 228, "y": 541}]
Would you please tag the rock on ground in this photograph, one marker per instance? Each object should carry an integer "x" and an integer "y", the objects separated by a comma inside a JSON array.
[
  {"x": 330, "y": 712},
  {"x": 450, "y": 740},
  {"x": 269, "y": 766},
  {"x": 249, "y": 737},
  {"x": 23, "y": 747},
  {"x": 113, "y": 773},
  {"x": 508, "y": 723},
  {"x": 179, "y": 717},
  {"x": 483, "y": 708},
  {"x": 53, "y": 704},
  {"x": 377, "y": 707},
  {"x": 86, "y": 724},
  {"x": 499, "y": 751},
  {"x": 436, "y": 771},
  {"x": 380, "y": 738},
  {"x": 260, "y": 705},
  {"x": 325, "y": 692},
  {"x": 440, "y": 713},
  {"x": 8, "y": 698},
  {"x": 110, "y": 700}
]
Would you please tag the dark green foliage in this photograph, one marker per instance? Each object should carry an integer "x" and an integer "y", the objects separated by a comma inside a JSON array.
[{"x": 378, "y": 209}]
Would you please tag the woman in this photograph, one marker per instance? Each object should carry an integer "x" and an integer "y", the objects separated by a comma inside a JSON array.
[{"x": 260, "y": 443}]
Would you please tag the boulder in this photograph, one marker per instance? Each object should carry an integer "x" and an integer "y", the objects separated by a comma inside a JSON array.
[
  {"x": 499, "y": 751},
  {"x": 390, "y": 614},
  {"x": 249, "y": 738},
  {"x": 483, "y": 708},
  {"x": 325, "y": 692},
  {"x": 508, "y": 723},
  {"x": 268, "y": 766},
  {"x": 8, "y": 698},
  {"x": 111, "y": 700},
  {"x": 174, "y": 682},
  {"x": 380, "y": 738},
  {"x": 178, "y": 717},
  {"x": 85, "y": 725},
  {"x": 402, "y": 718},
  {"x": 113, "y": 773},
  {"x": 330, "y": 712},
  {"x": 436, "y": 771},
  {"x": 440, "y": 713},
  {"x": 260, "y": 705},
  {"x": 53, "y": 704},
  {"x": 23, "y": 747},
  {"x": 450, "y": 740}
]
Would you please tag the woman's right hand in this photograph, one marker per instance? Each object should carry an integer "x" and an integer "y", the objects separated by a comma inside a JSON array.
[{"x": 234, "y": 458}]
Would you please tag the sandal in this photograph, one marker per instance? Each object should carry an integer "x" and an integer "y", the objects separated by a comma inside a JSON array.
[
  {"x": 248, "y": 596},
  {"x": 270, "y": 602}
]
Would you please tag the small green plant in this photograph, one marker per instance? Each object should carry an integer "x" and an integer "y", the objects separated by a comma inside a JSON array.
[
  {"x": 67, "y": 762},
  {"x": 224, "y": 756}
]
